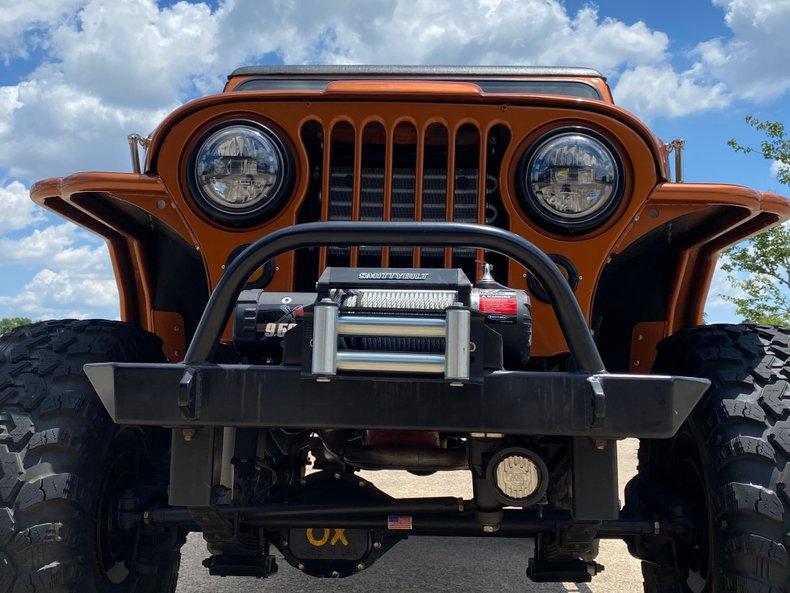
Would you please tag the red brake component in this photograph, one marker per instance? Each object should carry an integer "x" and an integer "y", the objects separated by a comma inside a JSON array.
[{"x": 403, "y": 438}]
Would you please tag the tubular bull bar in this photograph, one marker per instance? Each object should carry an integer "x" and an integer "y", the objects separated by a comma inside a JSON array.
[{"x": 590, "y": 405}]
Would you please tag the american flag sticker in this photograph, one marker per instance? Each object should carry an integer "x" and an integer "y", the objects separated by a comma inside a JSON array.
[{"x": 395, "y": 522}]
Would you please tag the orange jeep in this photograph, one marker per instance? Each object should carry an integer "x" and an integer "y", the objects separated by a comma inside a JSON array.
[{"x": 414, "y": 268}]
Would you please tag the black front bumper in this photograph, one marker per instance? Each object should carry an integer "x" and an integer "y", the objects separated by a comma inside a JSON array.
[
  {"x": 588, "y": 403},
  {"x": 510, "y": 402}
]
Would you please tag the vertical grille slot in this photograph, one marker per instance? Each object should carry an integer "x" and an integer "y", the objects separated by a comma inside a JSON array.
[
  {"x": 341, "y": 184},
  {"x": 403, "y": 146},
  {"x": 371, "y": 194},
  {"x": 419, "y": 191},
  {"x": 434, "y": 188},
  {"x": 449, "y": 207},
  {"x": 308, "y": 260},
  {"x": 356, "y": 193},
  {"x": 465, "y": 191}
]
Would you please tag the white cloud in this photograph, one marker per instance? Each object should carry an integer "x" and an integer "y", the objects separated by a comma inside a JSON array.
[
  {"x": 750, "y": 64},
  {"x": 482, "y": 32},
  {"x": 661, "y": 91},
  {"x": 133, "y": 53},
  {"x": 9, "y": 101},
  {"x": 64, "y": 294},
  {"x": 63, "y": 246},
  {"x": 18, "y": 209},
  {"x": 77, "y": 280},
  {"x": 717, "y": 308},
  {"x": 754, "y": 61},
  {"x": 21, "y": 20}
]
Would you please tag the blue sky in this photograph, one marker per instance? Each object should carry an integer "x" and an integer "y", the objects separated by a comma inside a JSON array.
[{"x": 76, "y": 76}]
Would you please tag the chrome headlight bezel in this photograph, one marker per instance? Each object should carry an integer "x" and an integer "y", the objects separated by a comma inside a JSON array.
[
  {"x": 553, "y": 220},
  {"x": 260, "y": 210}
]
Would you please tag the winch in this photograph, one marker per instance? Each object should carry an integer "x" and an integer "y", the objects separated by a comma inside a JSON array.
[{"x": 368, "y": 320}]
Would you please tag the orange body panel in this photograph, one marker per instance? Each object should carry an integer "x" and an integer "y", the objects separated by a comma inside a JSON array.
[
  {"x": 714, "y": 216},
  {"x": 170, "y": 327}
]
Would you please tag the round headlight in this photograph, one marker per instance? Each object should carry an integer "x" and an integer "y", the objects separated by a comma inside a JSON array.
[
  {"x": 571, "y": 180},
  {"x": 240, "y": 172}
]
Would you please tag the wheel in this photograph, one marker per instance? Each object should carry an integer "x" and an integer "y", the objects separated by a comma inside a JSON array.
[
  {"x": 726, "y": 473},
  {"x": 66, "y": 468}
]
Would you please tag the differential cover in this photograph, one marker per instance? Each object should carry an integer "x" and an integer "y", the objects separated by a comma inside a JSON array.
[{"x": 335, "y": 551}]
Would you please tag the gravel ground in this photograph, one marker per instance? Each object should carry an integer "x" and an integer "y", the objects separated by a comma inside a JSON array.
[{"x": 423, "y": 564}]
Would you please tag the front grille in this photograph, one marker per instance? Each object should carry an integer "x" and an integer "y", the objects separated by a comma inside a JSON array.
[
  {"x": 402, "y": 172},
  {"x": 434, "y": 178}
]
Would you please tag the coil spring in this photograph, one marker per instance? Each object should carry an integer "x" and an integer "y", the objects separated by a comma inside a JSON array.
[{"x": 414, "y": 300}]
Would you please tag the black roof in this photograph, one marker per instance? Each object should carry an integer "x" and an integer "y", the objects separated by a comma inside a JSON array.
[{"x": 426, "y": 71}]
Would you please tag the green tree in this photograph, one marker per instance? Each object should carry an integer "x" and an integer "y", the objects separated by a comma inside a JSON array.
[
  {"x": 765, "y": 259},
  {"x": 9, "y": 323},
  {"x": 774, "y": 147}
]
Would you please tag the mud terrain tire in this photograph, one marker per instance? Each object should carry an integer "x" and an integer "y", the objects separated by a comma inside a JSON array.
[
  {"x": 56, "y": 445},
  {"x": 741, "y": 435}
]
